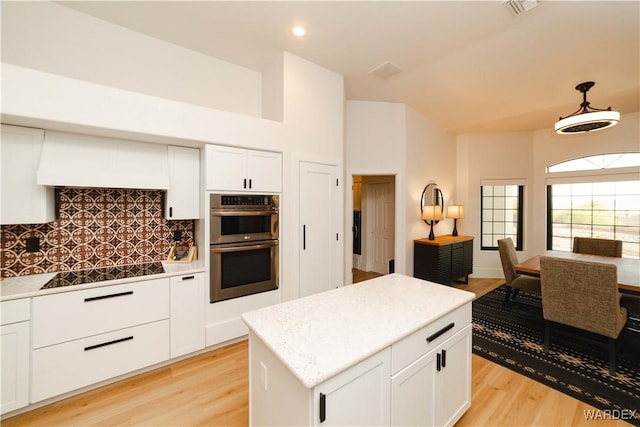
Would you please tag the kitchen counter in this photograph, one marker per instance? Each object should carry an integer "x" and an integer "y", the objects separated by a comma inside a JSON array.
[
  {"x": 30, "y": 286},
  {"x": 321, "y": 335}
]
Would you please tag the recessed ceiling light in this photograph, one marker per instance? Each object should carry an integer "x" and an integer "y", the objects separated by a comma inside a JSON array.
[{"x": 299, "y": 31}]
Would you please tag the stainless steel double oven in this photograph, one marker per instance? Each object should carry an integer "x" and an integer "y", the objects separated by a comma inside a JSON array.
[{"x": 243, "y": 245}]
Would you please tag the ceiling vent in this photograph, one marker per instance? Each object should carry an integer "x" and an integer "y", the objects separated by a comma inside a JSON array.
[
  {"x": 520, "y": 6},
  {"x": 385, "y": 70}
]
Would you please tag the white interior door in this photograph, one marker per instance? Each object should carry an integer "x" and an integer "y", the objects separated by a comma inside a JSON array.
[
  {"x": 380, "y": 225},
  {"x": 318, "y": 227}
]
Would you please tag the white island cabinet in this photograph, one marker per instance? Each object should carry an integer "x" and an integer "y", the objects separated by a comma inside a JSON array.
[{"x": 389, "y": 351}]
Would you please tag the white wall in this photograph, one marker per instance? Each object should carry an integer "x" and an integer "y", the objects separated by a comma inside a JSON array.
[
  {"x": 525, "y": 156},
  {"x": 392, "y": 139},
  {"x": 375, "y": 144},
  {"x": 313, "y": 111},
  {"x": 49, "y": 37}
]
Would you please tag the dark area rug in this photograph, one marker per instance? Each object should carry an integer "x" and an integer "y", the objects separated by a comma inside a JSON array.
[{"x": 577, "y": 361}]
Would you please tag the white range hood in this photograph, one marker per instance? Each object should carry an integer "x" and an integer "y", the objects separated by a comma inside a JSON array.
[{"x": 74, "y": 160}]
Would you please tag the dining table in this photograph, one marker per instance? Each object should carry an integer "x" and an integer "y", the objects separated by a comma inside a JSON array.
[{"x": 628, "y": 268}]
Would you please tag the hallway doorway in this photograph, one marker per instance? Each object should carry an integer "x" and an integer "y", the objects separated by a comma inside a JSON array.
[{"x": 373, "y": 225}]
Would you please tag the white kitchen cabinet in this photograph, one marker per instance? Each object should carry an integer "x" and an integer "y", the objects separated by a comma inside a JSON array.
[
  {"x": 23, "y": 200},
  {"x": 67, "y": 316},
  {"x": 183, "y": 195},
  {"x": 436, "y": 388},
  {"x": 76, "y": 160},
  {"x": 71, "y": 365},
  {"x": 14, "y": 345},
  {"x": 239, "y": 169},
  {"x": 318, "y": 243},
  {"x": 363, "y": 364},
  {"x": 187, "y": 314},
  {"x": 357, "y": 396},
  {"x": 86, "y": 336}
]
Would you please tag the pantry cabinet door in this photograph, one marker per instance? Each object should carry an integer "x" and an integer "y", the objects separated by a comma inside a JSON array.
[{"x": 318, "y": 228}]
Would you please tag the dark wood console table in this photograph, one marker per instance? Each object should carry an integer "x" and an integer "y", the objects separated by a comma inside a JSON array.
[{"x": 443, "y": 260}]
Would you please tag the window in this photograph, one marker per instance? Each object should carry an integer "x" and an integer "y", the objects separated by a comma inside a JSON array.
[
  {"x": 502, "y": 207},
  {"x": 607, "y": 210},
  {"x": 601, "y": 161}
]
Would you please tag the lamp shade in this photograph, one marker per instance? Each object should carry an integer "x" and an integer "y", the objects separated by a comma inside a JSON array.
[
  {"x": 455, "y": 211},
  {"x": 432, "y": 212}
]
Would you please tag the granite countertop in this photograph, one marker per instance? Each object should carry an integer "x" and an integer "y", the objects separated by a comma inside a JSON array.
[
  {"x": 29, "y": 286},
  {"x": 318, "y": 336}
]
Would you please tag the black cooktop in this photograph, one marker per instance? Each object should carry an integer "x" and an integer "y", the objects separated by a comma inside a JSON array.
[{"x": 79, "y": 277}]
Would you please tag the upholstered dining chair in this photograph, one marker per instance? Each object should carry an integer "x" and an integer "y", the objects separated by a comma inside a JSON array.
[
  {"x": 514, "y": 282},
  {"x": 603, "y": 247},
  {"x": 584, "y": 295}
]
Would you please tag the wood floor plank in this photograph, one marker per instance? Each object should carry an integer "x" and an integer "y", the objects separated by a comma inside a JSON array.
[{"x": 212, "y": 390}]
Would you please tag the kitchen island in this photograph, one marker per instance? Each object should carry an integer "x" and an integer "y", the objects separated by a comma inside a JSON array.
[{"x": 394, "y": 350}]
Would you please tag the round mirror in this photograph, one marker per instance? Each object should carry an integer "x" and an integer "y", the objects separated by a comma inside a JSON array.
[{"x": 432, "y": 196}]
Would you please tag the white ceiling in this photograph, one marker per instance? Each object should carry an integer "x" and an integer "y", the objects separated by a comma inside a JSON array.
[{"x": 469, "y": 66}]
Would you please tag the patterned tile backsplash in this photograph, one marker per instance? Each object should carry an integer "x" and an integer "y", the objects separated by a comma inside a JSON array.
[{"x": 95, "y": 228}]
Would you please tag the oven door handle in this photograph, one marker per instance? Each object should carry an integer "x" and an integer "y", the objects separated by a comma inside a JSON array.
[
  {"x": 243, "y": 213},
  {"x": 240, "y": 247}
]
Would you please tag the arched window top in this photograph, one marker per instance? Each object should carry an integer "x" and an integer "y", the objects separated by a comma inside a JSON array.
[{"x": 600, "y": 161}]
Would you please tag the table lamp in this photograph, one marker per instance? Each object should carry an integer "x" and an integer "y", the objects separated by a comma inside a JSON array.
[
  {"x": 455, "y": 212},
  {"x": 431, "y": 213}
]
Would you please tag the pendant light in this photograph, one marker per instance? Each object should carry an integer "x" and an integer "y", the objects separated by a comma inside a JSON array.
[{"x": 587, "y": 118}]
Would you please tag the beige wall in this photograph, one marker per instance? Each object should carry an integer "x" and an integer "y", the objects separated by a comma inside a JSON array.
[
  {"x": 525, "y": 156},
  {"x": 431, "y": 155}
]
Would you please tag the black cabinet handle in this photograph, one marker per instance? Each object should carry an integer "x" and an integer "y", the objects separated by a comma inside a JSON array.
[
  {"x": 121, "y": 294},
  {"x": 170, "y": 211},
  {"x": 440, "y": 332},
  {"x": 188, "y": 277},
  {"x": 250, "y": 183},
  {"x": 444, "y": 358},
  {"x": 323, "y": 407},
  {"x": 438, "y": 362},
  {"x": 104, "y": 344},
  {"x": 304, "y": 237},
  {"x": 245, "y": 183}
]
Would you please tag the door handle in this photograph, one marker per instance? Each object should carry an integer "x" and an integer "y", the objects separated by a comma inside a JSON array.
[
  {"x": 440, "y": 332},
  {"x": 444, "y": 358},
  {"x": 438, "y": 362},
  {"x": 323, "y": 407},
  {"x": 104, "y": 344},
  {"x": 304, "y": 237},
  {"x": 121, "y": 294}
]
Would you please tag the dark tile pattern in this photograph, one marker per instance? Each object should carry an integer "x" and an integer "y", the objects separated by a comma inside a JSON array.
[{"x": 96, "y": 228}]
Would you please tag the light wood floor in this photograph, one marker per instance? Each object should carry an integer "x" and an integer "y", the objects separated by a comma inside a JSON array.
[{"x": 212, "y": 390}]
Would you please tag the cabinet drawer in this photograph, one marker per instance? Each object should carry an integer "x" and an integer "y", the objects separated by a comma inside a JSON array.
[
  {"x": 65, "y": 367},
  {"x": 16, "y": 310},
  {"x": 415, "y": 345},
  {"x": 71, "y": 315}
]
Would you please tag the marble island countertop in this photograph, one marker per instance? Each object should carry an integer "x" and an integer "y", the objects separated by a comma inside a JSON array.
[
  {"x": 30, "y": 286},
  {"x": 318, "y": 336}
]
